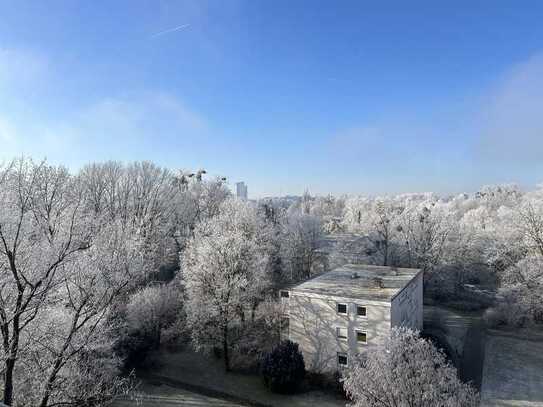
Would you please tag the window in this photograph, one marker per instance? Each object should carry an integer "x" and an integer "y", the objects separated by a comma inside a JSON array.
[
  {"x": 341, "y": 308},
  {"x": 342, "y": 359},
  {"x": 361, "y": 337},
  {"x": 341, "y": 333},
  {"x": 285, "y": 294},
  {"x": 360, "y": 311}
]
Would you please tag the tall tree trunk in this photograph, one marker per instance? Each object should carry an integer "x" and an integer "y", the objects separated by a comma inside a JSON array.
[
  {"x": 225, "y": 348},
  {"x": 12, "y": 356},
  {"x": 8, "y": 381},
  {"x": 57, "y": 365},
  {"x": 241, "y": 314},
  {"x": 253, "y": 311},
  {"x": 49, "y": 384},
  {"x": 158, "y": 334}
]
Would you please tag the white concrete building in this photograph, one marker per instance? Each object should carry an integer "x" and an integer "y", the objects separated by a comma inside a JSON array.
[
  {"x": 241, "y": 190},
  {"x": 349, "y": 310}
]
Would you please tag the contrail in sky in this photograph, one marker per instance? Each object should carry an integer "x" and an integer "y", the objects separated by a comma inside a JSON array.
[{"x": 171, "y": 30}]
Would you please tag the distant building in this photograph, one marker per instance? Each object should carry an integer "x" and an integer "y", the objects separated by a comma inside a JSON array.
[
  {"x": 349, "y": 310},
  {"x": 241, "y": 190}
]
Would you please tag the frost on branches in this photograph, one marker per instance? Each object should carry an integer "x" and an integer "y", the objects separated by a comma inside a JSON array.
[
  {"x": 224, "y": 273},
  {"x": 62, "y": 269},
  {"x": 407, "y": 371}
]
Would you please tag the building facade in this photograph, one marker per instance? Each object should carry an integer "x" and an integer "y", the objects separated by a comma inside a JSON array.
[{"x": 350, "y": 310}]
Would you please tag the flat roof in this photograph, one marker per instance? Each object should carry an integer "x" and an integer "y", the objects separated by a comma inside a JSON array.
[{"x": 360, "y": 281}]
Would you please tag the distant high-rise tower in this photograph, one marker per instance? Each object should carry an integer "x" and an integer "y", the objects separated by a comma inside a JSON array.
[{"x": 241, "y": 190}]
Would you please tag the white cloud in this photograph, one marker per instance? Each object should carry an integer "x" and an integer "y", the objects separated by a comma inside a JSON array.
[
  {"x": 511, "y": 123},
  {"x": 129, "y": 127},
  {"x": 115, "y": 127},
  {"x": 138, "y": 116},
  {"x": 382, "y": 142}
]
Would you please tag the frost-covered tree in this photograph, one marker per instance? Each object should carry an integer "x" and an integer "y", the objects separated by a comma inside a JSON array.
[
  {"x": 406, "y": 371},
  {"x": 378, "y": 219},
  {"x": 163, "y": 206},
  {"x": 494, "y": 197},
  {"x": 425, "y": 228},
  {"x": 522, "y": 282},
  {"x": 42, "y": 228},
  {"x": 154, "y": 308},
  {"x": 301, "y": 238},
  {"x": 329, "y": 210},
  {"x": 76, "y": 324},
  {"x": 62, "y": 268},
  {"x": 224, "y": 273},
  {"x": 140, "y": 195},
  {"x": 529, "y": 221},
  {"x": 197, "y": 201},
  {"x": 520, "y": 295}
]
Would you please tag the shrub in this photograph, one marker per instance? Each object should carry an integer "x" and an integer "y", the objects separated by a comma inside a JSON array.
[
  {"x": 283, "y": 368},
  {"x": 338, "y": 385},
  {"x": 251, "y": 346},
  {"x": 409, "y": 370},
  {"x": 133, "y": 348},
  {"x": 506, "y": 314}
]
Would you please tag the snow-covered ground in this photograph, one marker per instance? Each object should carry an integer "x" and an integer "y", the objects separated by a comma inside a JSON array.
[
  {"x": 463, "y": 334},
  {"x": 155, "y": 395},
  {"x": 513, "y": 371},
  {"x": 187, "y": 369}
]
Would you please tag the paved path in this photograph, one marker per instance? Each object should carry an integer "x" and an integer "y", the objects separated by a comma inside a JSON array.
[
  {"x": 155, "y": 395},
  {"x": 513, "y": 371},
  {"x": 463, "y": 334},
  {"x": 471, "y": 364}
]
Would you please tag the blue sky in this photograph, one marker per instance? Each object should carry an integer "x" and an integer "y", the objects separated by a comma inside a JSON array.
[{"x": 341, "y": 97}]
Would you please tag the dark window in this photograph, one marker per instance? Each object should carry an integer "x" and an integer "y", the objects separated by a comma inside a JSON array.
[
  {"x": 361, "y": 337},
  {"x": 341, "y": 308},
  {"x": 360, "y": 311},
  {"x": 284, "y": 294},
  {"x": 342, "y": 359}
]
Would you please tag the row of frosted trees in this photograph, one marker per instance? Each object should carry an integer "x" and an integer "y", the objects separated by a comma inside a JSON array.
[
  {"x": 101, "y": 266},
  {"x": 492, "y": 238},
  {"x": 74, "y": 251}
]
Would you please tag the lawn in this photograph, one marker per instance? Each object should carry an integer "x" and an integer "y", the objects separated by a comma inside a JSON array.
[
  {"x": 513, "y": 371},
  {"x": 157, "y": 395},
  {"x": 206, "y": 375},
  {"x": 463, "y": 336},
  {"x": 194, "y": 379}
]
